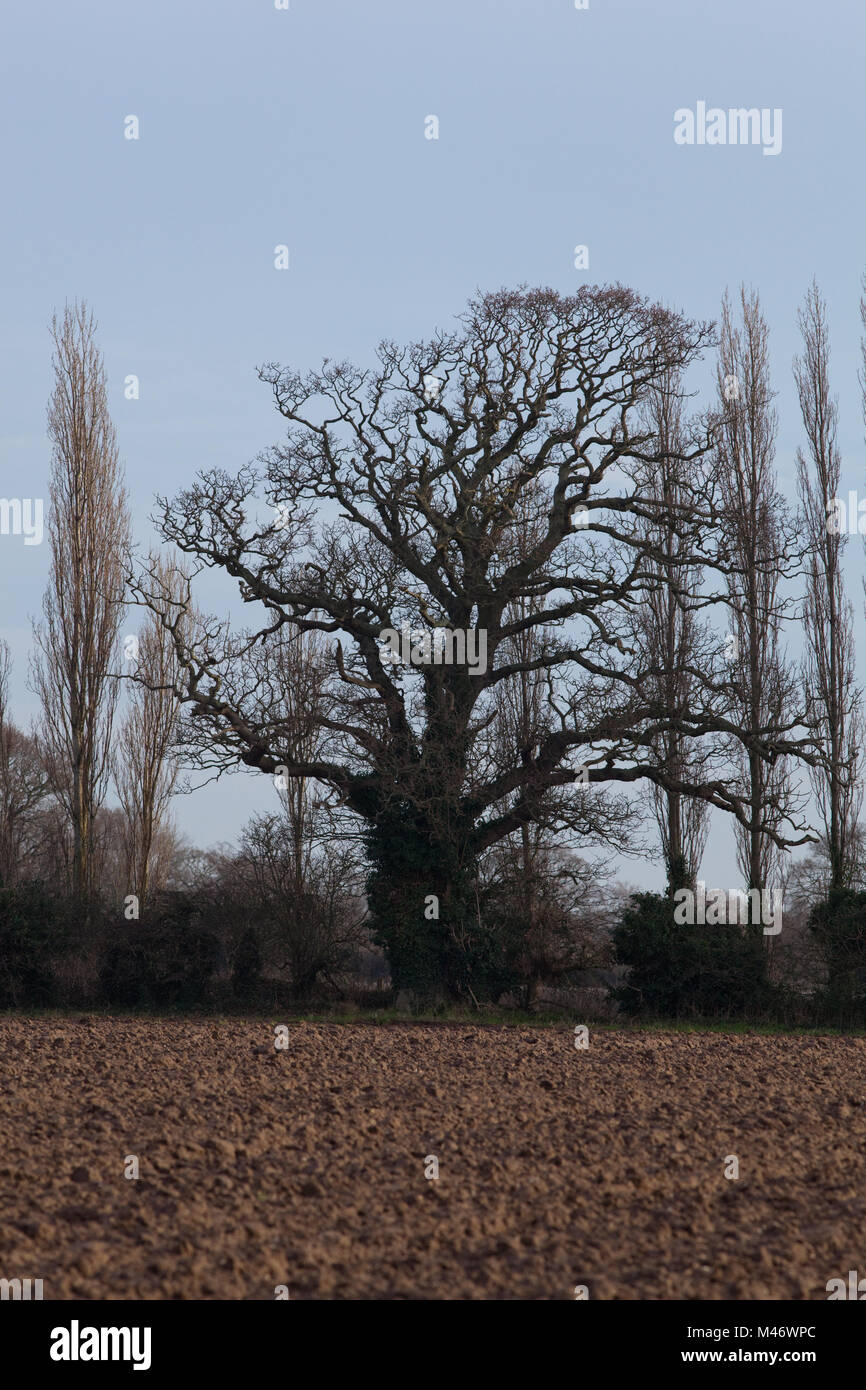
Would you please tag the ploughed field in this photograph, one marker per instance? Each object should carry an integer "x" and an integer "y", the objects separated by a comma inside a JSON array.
[{"x": 558, "y": 1167}]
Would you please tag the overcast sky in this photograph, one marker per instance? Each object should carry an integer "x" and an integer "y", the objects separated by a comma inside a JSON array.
[{"x": 260, "y": 127}]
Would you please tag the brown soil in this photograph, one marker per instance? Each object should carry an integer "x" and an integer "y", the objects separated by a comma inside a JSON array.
[{"x": 558, "y": 1167}]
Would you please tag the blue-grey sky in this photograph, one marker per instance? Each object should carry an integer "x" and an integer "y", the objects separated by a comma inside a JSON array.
[{"x": 306, "y": 127}]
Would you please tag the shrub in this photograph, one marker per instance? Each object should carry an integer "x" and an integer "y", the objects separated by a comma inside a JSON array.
[
  {"x": 686, "y": 971},
  {"x": 31, "y": 937},
  {"x": 167, "y": 960},
  {"x": 838, "y": 924},
  {"x": 247, "y": 966}
]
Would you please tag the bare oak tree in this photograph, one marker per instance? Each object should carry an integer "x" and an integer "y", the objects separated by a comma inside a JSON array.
[
  {"x": 392, "y": 501},
  {"x": 74, "y": 662}
]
